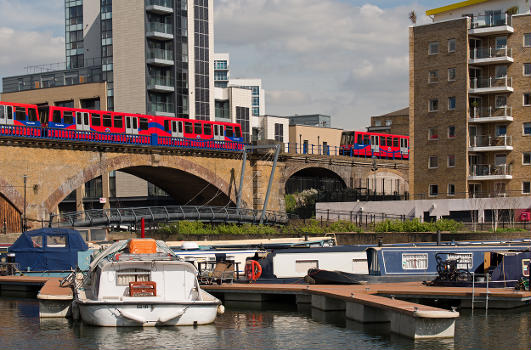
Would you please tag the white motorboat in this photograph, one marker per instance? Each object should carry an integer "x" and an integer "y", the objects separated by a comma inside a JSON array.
[{"x": 141, "y": 282}]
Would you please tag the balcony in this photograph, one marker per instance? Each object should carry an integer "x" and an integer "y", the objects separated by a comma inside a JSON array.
[
  {"x": 160, "y": 57},
  {"x": 489, "y": 172},
  {"x": 490, "y": 55},
  {"x": 491, "y": 24},
  {"x": 161, "y": 83},
  {"x": 490, "y": 114},
  {"x": 490, "y": 85},
  {"x": 161, "y": 108},
  {"x": 487, "y": 143},
  {"x": 159, "y": 31},
  {"x": 161, "y": 7}
]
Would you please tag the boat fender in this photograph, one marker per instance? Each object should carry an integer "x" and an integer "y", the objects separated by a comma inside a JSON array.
[
  {"x": 253, "y": 270},
  {"x": 131, "y": 316},
  {"x": 221, "y": 309},
  {"x": 164, "y": 319},
  {"x": 117, "y": 257}
]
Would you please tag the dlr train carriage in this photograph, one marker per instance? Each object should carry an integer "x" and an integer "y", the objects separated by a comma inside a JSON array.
[
  {"x": 368, "y": 144},
  {"x": 116, "y": 122}
]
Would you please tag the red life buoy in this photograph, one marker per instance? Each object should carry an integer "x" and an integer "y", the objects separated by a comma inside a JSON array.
[{"x": 253, "y": 270}]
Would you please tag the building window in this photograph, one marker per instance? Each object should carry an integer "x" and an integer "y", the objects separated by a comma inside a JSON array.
[
  {"x": 527, "y": 129},
  {"x": 500, "y": 101},
  {"x": 434, "y": 105},
  {"x": 526, "y": 158},
  {"x": 433, "y": 48},
  {"x": 388, "y": 122},
  {"x": 501, "y": 130},
  {"x": 433, "y": 162},
  {"x": 500, "y": 71},
  {"x": 434, "y": 190},
  {"x": 501, "y": 42},
  {"x": 527, "y": 69},
  {"x": 432, "y": 134},
  {"x": 242, "y": 118},
  {"x": 256, "y": 111},
  {"x": 451, "y": 103},
  {"x": 527, "y": 99},
  {"x": 451, "y": 160},
  {"x": 433, "y": 76},
  {"x": 279, "y": 132},
  {"x": 527, "y": 40},
  {"x": 451, "y": 74},
  {"x": 451, "y": 45},
  {"x": 526, "y": 187},
  {"x": 377, "y": 123},
  {"x": 451, "y": 131},
  {"x": 451, "y": 189}
]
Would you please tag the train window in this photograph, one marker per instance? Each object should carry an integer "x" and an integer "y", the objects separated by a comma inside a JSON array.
[
  {"x": 9, "y": 110},
  {"x": 68, "y": 117},
  {"x": 188, "y": 127},
  {"x": 216, "y": 130},
  {"x": 180, "y": 127},
  {"x": 32, "y": 115},
  {"x": 107, "y": 122},
  {"x": 197, "y": 128},
  {"x": 366, "y": 140},
  {"x": 135, "y": 123},
  {"x": 143, "y": 124},
  {"x": 20, "y": 113},
  {"x": 167, "y": 126},
  {"x": 229, "y": 131},
  {"x": 1, "y": 112},
  {"x": 389, "y": 141},
  {"x": 118, "y": 121},
  {"x": 237, "y": 132},
  {"x": 360, "y": 139},
  {"x": 395, "y": 142},
  {"x": 207, "y": 128},
  {"x": 56, "y": 117},
  {"x": 96, "y": 120},
  {"x": 78, "y": 118}
]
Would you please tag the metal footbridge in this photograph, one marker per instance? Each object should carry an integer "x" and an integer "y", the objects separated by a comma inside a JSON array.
[{"x": 133, "y": 216}]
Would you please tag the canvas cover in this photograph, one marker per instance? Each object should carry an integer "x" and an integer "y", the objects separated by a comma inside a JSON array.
[
  {"x": 513, "y": 267},
  {"x": 48, "y": 249}
]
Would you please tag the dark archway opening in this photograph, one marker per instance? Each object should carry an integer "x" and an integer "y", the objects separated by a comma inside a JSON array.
[{"x": 320, "y": 179}]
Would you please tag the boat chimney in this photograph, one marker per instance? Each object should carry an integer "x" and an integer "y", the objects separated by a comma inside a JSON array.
[{"x": 438, "y": 237}]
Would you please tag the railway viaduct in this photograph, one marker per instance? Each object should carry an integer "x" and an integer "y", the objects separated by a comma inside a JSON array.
[{"x": 36, "y": 175}]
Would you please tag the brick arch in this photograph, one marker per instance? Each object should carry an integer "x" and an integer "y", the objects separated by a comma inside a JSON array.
[
  {"x": 12, "y": 195},
  {"x": 101, "y": 166},
  {"x": 290, "y": 171}
]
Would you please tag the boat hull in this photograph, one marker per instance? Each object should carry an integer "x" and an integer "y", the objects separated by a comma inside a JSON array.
[{"x": 148, "y": 314}]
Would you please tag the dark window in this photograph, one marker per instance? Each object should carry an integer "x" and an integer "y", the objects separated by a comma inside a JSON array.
[
  {"x": 135, "y": 123},
  {"x": 118, "y": 121},
  {"x": 32, "y": 115},
  {"x": 188, "y": 127},
  {"x": 56, "y": 117},
  {"x": 207, "y": 129},
  {"x": 197, "y": 128},
  {"x": 68, "y": 117},
  {"x": 96, "y": 120},
  {"x": 20, "y": 113},
  {"x": 167, "y": 126},
  {"x": 143, "y": 124},
  {"x": 107, "y": 122},
  {"x": 180, "y": 127},
  {"x": 389, "y": 143},
  {"x": 366, "y": 140},
  {"x": 229, "y": 131},
  {"x": 395, "y": 142},
  {"x": 279, "y": 132},
  {"x": 360, "y": 139},
  {"x": 237, "y": 132}
]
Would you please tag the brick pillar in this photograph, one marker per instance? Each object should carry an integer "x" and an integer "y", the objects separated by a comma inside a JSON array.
[
  {"x": 80, "y": 194},
  {"x": 106, "y": 190}
]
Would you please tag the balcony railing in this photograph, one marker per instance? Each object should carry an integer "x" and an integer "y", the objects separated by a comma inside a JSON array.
[
  {"x": 491, "y": 20},
  {"x": 490, "y": 169},
  {"x": 161, "y": 107},
  {"x": 160, "y": 27},
  {"x": 488, "y": 112},
  {"x": 161, "y": 3},
  {"x": 161, "y": 81},
  {"x": 490, "y": 141},
  {"x": 490, "y": 52},
  {"x": 160, "y": 54},
  {"x": 490, "y": 82}
]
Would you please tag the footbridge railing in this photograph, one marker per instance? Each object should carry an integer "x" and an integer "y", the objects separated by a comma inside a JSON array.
[{"x": 132, "y": 216}]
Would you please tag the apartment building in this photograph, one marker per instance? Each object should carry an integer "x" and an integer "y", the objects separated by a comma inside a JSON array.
[
  {"x": 470, "y": 104},
  {"x": 396, "y": 123},
  {"x": 155, "y": 55}
]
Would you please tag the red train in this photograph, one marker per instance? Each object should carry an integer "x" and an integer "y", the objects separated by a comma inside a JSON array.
[
  {"x": 368, "y": 144},
  {"x": 116, "y": 122}
]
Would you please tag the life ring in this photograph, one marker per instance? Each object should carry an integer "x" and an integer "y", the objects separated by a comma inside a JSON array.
[{"x": 253, "y": 270}]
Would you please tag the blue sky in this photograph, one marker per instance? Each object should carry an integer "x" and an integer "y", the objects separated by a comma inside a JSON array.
[{"x": 346, "y": 58}]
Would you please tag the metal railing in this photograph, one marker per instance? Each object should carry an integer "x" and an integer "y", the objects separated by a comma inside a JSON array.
[
  {"x": 132, "y": 216},
  {"x": 490, "y": 52},
  {"x": 161, "y": 80},
  {"x": 160, "y": 54},
  {"x": 160, "y": 27},
  {"x": 491, "y": 20},
  {"x": 487, "y": 112},
  {"x": 162, "y": 3},
  {"x": 164, "y": 107},
  {"x": 490, "y": 141},
  {"x": 489, "y": 169},
  {"x": 490, "y": 82}
]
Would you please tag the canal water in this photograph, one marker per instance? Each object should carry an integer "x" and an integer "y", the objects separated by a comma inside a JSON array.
[{"x": 248, "y": 327}]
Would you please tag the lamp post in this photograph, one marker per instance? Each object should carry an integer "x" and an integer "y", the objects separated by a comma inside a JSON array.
[{"x": 24, "y": 213}]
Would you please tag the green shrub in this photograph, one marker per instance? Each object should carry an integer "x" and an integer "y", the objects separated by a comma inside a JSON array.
[{"x": 416, "y": 225}]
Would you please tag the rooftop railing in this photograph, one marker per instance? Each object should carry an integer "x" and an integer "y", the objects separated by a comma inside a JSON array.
[{"x": 491, "y": 20}]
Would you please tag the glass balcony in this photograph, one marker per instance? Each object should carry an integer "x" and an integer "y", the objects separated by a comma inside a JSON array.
[
  {"x": 490, "y": 172},
  {"x": 160, "y": 31},
  {"x": 160, "y": 57},
  {"x": 490, "y": 143},
  {"x": 491, "y": 85},
  {"x": 160, "y": 6},
  {"x": 161, "y": 83},
  {"x": 490, "y": 55},
  {"x": 490, "y": 114},
  {"x": 491, "y": 23},
  {"x": 161, "y": 108}
]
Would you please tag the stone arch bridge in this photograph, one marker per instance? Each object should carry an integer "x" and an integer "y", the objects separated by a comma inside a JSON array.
[{"x": 54, "y": 169}]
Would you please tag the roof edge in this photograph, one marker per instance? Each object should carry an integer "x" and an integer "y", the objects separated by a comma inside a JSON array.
[{"x": 454, "y": 6}]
